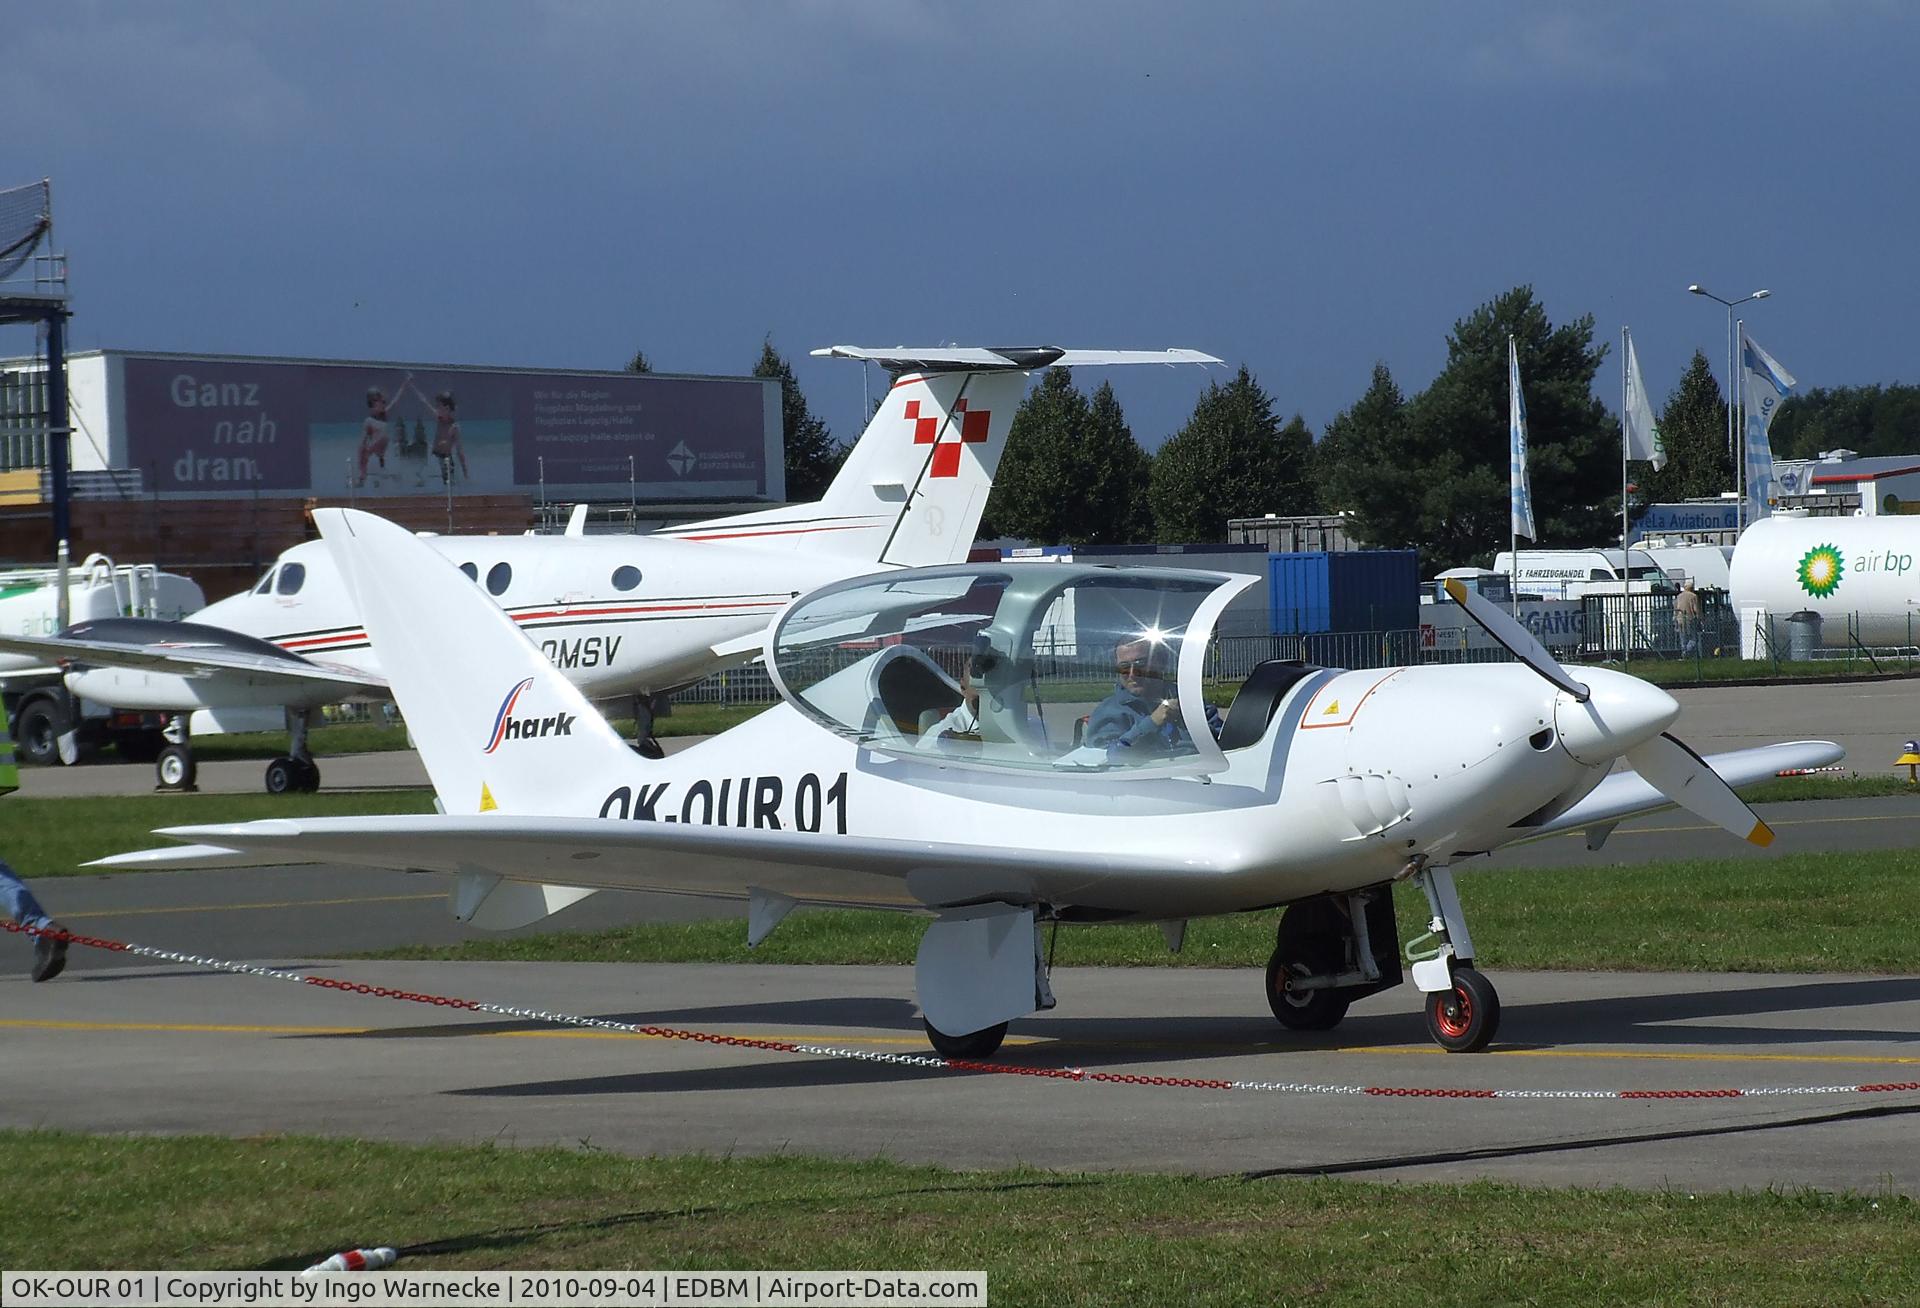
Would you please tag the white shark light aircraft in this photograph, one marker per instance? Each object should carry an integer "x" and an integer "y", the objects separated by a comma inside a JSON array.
[
  {"x": 622, "y": 616},
  {"x": 1057, "y": 796}
]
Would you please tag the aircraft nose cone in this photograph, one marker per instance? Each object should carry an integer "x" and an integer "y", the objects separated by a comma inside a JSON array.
[{"x": 1621, "y": 712}]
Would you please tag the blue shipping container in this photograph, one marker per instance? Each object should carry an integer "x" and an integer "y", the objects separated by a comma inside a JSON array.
[{"x": 1354, "y": 590}]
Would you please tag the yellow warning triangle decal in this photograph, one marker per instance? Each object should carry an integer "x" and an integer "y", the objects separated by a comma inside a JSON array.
[
  {"x": 1331, "y": 709},
  {"x": 486, "y": 799}
]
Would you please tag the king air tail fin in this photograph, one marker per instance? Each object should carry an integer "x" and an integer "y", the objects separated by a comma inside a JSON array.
[
  {"x": 913, "y": 487},
  {"x": 497, "y": 726}
]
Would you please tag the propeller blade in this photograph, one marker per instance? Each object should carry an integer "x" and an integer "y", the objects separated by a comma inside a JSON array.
[
  {"x": 1684, "y": 777},
  {"x": 1517, "y": 639}
]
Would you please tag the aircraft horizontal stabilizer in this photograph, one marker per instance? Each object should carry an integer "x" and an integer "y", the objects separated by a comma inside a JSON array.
[
  {"x": 1628, "y": 794},
  {"x": 671, "y": 858},
  {"x": 1005, "y": 358},
  {"x": 186, "y": 660}
]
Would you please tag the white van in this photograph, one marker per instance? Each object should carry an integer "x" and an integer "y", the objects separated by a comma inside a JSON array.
[{"x": 1572, "y": 574}]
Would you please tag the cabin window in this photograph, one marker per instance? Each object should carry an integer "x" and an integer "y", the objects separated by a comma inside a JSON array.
[
  {"x": 626, "y": 577},
  {"x": 292, "y": 577},
  {"x": 266, "y": 583},
  {"x": 472, "y": 570},
  {"x": 499, "y": 577}
]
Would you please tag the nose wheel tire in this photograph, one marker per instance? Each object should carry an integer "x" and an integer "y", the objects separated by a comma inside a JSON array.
[
  {"x": 972, "y": 1047},
  {"x": 1463, "y": 1018},
  {"x": 1305, "y": 1010}
]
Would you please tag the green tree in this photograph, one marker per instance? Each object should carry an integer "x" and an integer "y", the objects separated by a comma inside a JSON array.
[
  {"x": 1461, "y": 436},
  {"x": 1072, "y": 471},
  {"x": 1229, "y": 461},
  {"x": 1865, "y": 419},
  {"x": 1364, "y": 468},
  {"x": 639, "y": 362},
  {"x": 1693, "y": 426},
  {"x": 813, "y": 456}
]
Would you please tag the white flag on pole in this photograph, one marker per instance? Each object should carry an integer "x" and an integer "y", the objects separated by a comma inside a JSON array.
[
  {"x": 1765, "y": 385},
  {"x": 1642, "y": 435},
  {"x": 1522, "y": 493}
]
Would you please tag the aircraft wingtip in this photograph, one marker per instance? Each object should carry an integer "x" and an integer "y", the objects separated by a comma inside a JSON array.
[{"x": 1761, "y": 835}]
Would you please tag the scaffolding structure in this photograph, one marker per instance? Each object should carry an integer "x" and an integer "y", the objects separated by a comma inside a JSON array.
[{"x": 35, "y": 429}]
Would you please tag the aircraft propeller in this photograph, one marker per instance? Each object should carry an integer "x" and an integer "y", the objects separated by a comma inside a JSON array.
[{"x": 1620, "y": 716}]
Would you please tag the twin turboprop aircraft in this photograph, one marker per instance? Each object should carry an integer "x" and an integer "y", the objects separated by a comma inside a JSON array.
[
  {"x": 623, "y": 616},
  {"x": 947, "y": 745}
]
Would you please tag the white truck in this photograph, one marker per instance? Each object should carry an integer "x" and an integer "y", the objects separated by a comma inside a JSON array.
[
  {"x": 1574, "y": 574},
  {"x": 40, "y": 710}
]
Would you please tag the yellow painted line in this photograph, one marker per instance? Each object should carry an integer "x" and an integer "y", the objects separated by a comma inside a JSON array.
[
  {"x": 1662, "y": 1056},
  {"x": 546, "y": 1033},
  {"x": 274, "y": 903},
  {"x": 191, "y": 1027}
]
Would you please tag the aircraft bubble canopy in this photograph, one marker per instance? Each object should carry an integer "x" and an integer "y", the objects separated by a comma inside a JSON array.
[{"x": 1029, "y": 667}]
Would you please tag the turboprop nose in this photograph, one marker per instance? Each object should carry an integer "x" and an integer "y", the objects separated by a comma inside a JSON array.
[{"x": 1620, "y": 712}]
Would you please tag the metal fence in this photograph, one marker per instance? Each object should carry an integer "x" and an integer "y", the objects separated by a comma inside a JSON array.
[{"x": 1621, "y": 630}]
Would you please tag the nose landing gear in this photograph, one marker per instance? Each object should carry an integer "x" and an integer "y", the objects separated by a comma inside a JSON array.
[{"x": 1463, "y": 1008}]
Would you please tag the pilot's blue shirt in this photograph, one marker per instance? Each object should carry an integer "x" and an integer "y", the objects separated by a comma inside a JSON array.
[{"x": 1124, "y": 722}]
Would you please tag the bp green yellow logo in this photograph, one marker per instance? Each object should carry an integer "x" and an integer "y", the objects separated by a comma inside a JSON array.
[{"x": 1820, "y": 570}]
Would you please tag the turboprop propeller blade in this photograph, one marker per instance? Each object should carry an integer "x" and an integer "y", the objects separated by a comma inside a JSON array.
[
  {"x": 1684, "y": 777},
  {"x": 1518, "y": 640}
]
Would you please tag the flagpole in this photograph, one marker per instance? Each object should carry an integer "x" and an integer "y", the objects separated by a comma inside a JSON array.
[
  {"x": 1740, "y": 425},
  {"x": 1626, "y": 603}
]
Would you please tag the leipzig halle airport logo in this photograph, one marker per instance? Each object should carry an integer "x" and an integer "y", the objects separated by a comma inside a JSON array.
[{"x": 1819, "y": 571}]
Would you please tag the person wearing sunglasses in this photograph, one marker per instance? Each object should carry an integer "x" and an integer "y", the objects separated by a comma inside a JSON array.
[{"x": 1141, "y": 719}]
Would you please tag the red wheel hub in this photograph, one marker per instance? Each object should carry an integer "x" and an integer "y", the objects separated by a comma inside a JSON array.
[{"x": 1453, "y": 1013}]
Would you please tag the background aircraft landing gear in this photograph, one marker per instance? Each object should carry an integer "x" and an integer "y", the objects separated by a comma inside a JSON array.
[
  {"x": 295, "y": 770},
  {"x": 644, "y": 744},
  {"x": 173, "y": 766},
  {"x": 1463, "y": 1009},
  {"x": 972, "y": 1047}
]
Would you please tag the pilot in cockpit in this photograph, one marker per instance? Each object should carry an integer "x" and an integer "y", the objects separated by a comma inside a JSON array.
[
  {"x": 1141, "y": 719},
  {"x": 963, "y": 723}
]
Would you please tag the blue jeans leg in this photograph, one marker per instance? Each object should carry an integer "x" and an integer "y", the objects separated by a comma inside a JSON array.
[{"x": 18, "y": 901}]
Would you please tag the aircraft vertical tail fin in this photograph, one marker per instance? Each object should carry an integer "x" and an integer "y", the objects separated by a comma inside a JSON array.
[
  {"x": 497, "y": 725},
  {"x": 913, "y": 487}
]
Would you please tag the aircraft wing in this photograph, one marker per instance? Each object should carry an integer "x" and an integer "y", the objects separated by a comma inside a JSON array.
[
  {"x": 192, "y": 659},
  {"x": 1625, "y": 794},
  {"x": 670, "y": 858}
]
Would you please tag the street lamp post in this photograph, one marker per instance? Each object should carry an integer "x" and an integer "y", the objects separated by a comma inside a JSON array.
[{"x": 1733, "y": 450}]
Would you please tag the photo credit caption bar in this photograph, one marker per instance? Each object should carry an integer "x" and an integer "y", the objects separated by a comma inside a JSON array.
[{"x": 648, "y": 1289}]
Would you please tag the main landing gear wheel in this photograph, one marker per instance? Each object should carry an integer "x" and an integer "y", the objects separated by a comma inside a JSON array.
[
  {"x": 175, "y": 768},
  {"x": 290, "y": 774},
  {"x": 1305, "y": 1010},
  {"x": 1463, "y": 1019},
  {"x": 971, "y": 1047}
]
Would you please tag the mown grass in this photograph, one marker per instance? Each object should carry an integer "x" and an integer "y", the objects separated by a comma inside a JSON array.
[
  {"x": 53, "y": 836},
  {"x": 1804, "y": 913},
  {"x": 1041, "y": 1237},
  {"x": 1709, "y": 671}
]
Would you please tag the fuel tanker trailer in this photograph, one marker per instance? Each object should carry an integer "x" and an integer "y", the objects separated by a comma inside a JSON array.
[{"x": 1857, "y": 574}]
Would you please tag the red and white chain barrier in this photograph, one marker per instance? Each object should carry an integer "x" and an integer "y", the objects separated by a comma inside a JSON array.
[{"x": 932, "y": 1061}]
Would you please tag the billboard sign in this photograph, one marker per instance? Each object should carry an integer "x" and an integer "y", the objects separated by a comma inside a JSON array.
[{"x": 200, "y": 426}]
